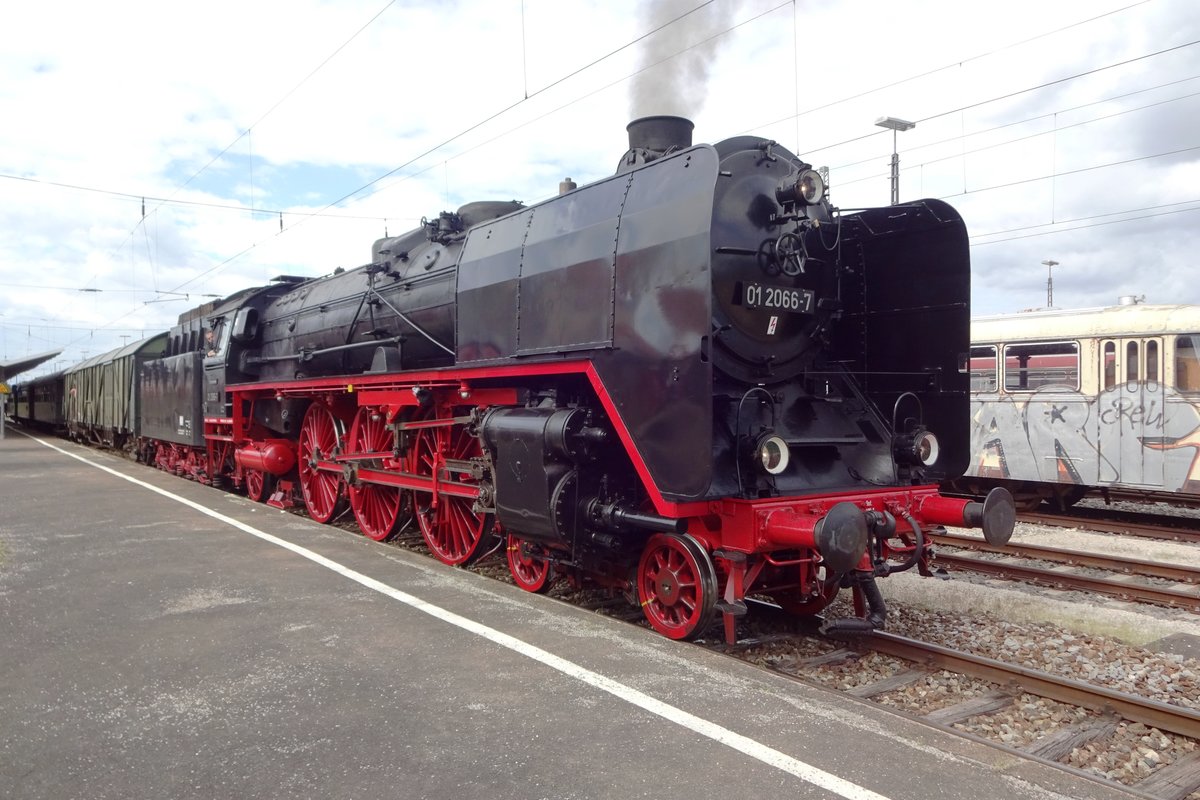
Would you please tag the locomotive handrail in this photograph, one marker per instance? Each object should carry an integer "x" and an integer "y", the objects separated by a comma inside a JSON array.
[
  {"x": 307, "y": 355},
  {"x": 372, "y": 291}
]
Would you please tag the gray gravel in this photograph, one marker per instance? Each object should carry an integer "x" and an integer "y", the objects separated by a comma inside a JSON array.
[{"x": 1103, "y": 642}]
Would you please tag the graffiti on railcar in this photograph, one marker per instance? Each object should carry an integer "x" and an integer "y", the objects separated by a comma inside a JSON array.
[{"x": 1137, "y": 433}]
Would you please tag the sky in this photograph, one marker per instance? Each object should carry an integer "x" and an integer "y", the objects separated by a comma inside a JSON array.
[{"x": 155, "y": 154}]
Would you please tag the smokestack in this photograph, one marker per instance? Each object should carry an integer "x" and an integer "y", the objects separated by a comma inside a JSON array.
[
  {"x": 660, "y": 134},
  {"x": 655, "y": 137}
]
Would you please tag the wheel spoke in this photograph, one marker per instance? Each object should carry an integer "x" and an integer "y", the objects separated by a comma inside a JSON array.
[
  {"x": 677, "y": 585},
  {"x": 452, "y": 531},
  {"x": 377, "y": 508},
  {"x": 318, "y": 439},
  {"x": 531, "y": 573}
]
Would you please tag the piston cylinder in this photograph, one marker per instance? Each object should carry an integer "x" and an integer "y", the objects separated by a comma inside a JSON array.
[{"x": 274, "y": 456}]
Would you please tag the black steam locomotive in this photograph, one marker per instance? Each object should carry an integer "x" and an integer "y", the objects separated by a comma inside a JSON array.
[{"x": 695, "y": 381}]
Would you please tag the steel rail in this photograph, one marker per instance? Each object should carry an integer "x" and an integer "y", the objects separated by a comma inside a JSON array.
[
  {"x": 1052, "y": 578},
  {"x": 1131, "y": 566},
  {"x": 1164, "y": 716},
  {"x": 1127, "y": 527}
]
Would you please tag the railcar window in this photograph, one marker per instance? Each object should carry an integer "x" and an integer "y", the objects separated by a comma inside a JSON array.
[
  {"x": 983, "y": 369},
  {"x": 1187, "y": 363},
  {"x": 1110, "y": 365},
  {"x": 1152, "y": 361},
  {"x": 1131, "y": 361},
  {"x": 1039, "y": 364}
]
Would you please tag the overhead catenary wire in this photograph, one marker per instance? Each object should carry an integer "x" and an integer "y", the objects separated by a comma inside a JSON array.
[
  {"x": 260, "y": 119},
  {"x": 545, "y": 88}
]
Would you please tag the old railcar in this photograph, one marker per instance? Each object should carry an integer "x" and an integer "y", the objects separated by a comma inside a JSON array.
[
  {"x": 39, "y": 402},
  {"x": 103, "y": 397},
  {"x": 1066, "y": 402}
]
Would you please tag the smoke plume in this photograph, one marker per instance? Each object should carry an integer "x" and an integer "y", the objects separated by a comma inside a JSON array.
[{"x": 677, "y": 60}]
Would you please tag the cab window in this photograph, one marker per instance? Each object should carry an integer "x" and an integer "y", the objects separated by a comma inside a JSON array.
[{"x": 216, "y": 339}]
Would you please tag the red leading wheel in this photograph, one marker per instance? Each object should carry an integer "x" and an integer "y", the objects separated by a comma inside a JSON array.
[
  {"x": 453, "y": 532},
  {"x": 259, "y": 485},
  {"x": 529, "y": 572},
  {"x": 376, "y": 507},
  {"x": 319, "y": 436},
  {"x": 677, "y": 586}
]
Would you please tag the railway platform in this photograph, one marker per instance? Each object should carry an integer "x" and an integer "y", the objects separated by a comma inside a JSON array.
[{"x": 165, "y": 639}]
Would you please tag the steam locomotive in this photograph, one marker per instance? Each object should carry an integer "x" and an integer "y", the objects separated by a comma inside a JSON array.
[{"x": 695, "y": 381}]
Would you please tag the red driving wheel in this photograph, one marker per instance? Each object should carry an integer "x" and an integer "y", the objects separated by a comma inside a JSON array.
[
  {"x": 322, "y": 488},
  {"x": 376, "y": 507},
  {"x": 454, "y": 533}
]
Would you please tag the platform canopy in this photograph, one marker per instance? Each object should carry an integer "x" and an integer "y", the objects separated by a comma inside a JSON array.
[{"x": 9, "y": 369}]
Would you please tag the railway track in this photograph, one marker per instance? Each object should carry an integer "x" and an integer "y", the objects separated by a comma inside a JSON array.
[
  {"x": 1177, "y": 499},
  {"x": 1142, "y": 525},
  {"x": 1125, "y": 584},
  {"x": 924, "y": 660}
]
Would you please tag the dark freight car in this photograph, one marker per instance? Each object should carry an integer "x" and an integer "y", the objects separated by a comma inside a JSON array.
[
  {"x": 102, "y": 393},
  {"x": 171, "y": 399}
]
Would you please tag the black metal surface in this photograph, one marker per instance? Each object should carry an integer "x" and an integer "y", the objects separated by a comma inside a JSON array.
[
  {"x": 906, "y": 320},
  {"x": 489, "y": 273},
  {"x": 404, "y": 301},
  {"x": 171, "y": 399},
  {"x": 765, "y": 342},
  {"x": 618, "y": 270},
  {"x": 689, "y": 282},
  {"x": 841, "y": 537},
  {"x": 660, "y": 133},
  {"x": 566, "y": 274},
  {"x": 998, "y": 516},
  {"x": 658, "y": 374},
  {"x": 536, "y": 484}
]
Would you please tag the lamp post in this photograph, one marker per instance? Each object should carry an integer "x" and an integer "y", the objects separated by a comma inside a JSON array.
[
  {"x": 895, "y": 126},
  {"x": 1050, "y": 265}
]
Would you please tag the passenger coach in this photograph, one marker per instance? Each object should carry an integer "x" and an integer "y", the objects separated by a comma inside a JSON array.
[{"x": 1064, "y": 402}]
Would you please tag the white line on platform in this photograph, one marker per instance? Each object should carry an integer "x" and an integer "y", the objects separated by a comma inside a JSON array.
[{"x": 711, "y": 730}]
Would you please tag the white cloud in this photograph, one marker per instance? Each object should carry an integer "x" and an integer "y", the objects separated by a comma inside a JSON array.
[{"x": 135, "y": 98}]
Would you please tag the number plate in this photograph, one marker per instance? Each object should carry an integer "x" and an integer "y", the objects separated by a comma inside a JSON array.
[{"x": 777, "y": 298}]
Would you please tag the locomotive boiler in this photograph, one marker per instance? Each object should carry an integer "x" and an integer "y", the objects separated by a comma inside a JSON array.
[{"x": 694, "y": 381}]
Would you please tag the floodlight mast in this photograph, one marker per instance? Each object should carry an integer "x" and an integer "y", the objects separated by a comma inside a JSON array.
[
  {"x": 895, "y": 125},
  {"x": 1050, "y": 264}
]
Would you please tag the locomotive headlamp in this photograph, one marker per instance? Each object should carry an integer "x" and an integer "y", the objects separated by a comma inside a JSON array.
[
  {"x": 919, "y": 447},
  {"x": 807, "y": 188},
  {"x": 771, "y": 454}
]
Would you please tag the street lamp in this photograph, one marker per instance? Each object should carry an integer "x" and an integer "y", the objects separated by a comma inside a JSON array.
[
  {"x": 1050, "y": 265},
  {"x": 895, "y": 126}
]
